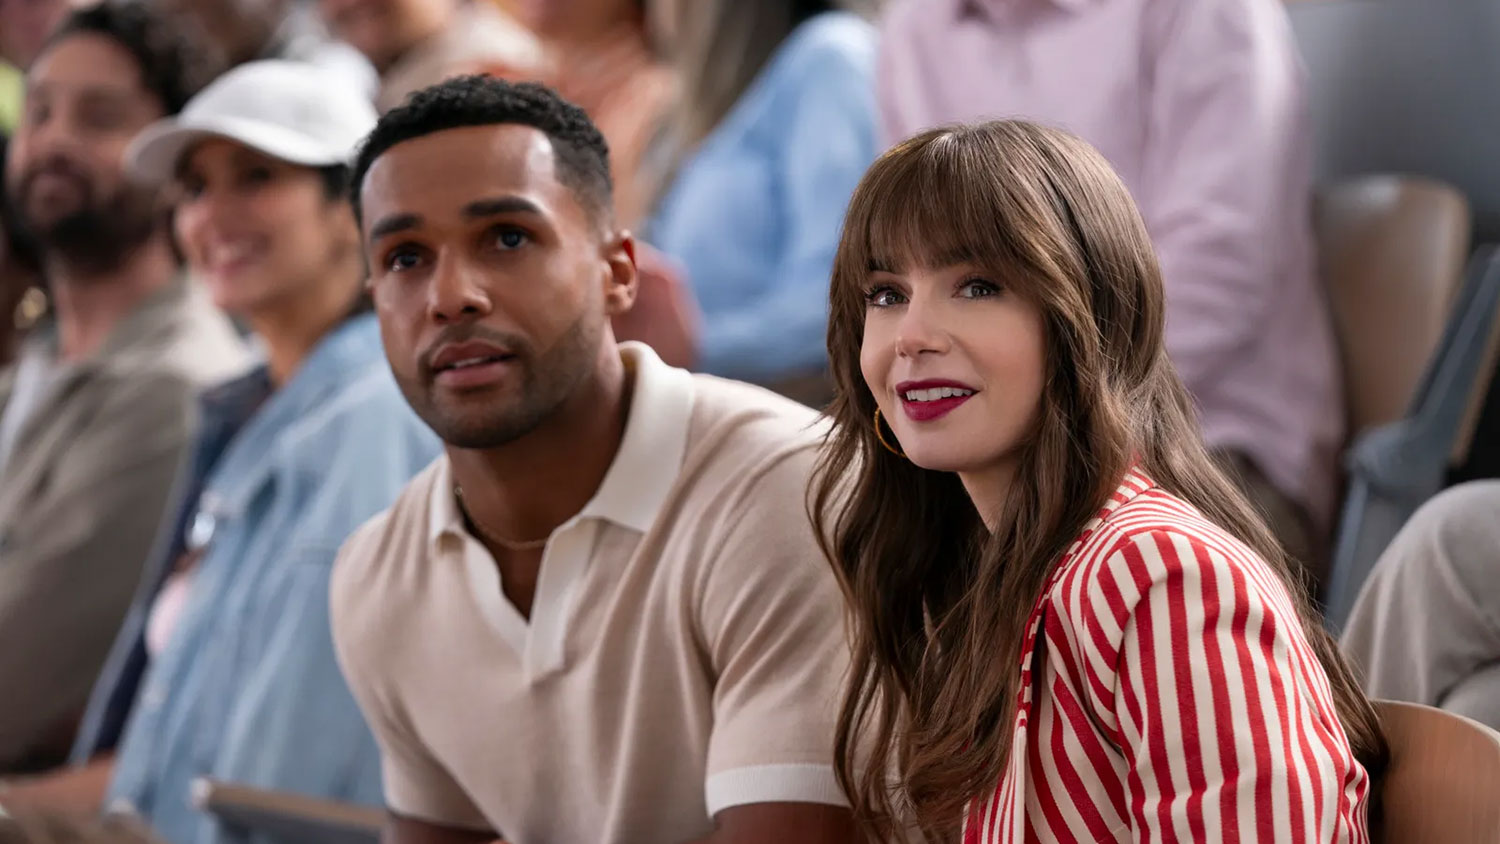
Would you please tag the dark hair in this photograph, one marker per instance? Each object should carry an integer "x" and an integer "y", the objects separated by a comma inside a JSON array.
[
  {"x": 939, "y": 604},
  {"x": 172, "y": 67},
  {"x": 335, "y": 178},
  {"x": 16, "y": 248},
  {"x": 335, "y": 182},
  {"x": 580, "y": 149}
]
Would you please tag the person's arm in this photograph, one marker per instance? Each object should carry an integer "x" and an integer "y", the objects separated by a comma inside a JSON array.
[
  {"x": 423, "y": 801},
  {"x": 1225, "y": 190},
  {"x": 1220, "y": 706},
  {"x": 294, "y": 725},
  {"x": 78, "y": 790},
  {"x": 783, "y": 823},
  {"x": 828, "y": 142},
  {"x": 69, "y": 571},
  {"x": 772, "y": 621},
  {"x": 404, "y": 830}
]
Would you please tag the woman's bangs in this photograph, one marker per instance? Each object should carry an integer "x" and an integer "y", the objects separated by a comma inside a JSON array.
[{"x": 927, "y": 213}]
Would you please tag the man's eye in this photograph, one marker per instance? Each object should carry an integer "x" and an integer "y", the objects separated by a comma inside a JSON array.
[
  {"x": 402, "y": 259},
  {"x": 510, "y": 238}
]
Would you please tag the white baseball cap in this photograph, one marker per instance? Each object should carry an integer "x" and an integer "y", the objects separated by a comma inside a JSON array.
[{"x": 292, "y": 111}]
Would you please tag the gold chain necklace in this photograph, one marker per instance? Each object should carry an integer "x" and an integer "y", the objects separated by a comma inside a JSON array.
[{"x": 490, "y": 536}]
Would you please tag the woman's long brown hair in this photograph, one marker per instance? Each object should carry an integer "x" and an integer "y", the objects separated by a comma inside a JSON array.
[{"x": 938, "y": 604}]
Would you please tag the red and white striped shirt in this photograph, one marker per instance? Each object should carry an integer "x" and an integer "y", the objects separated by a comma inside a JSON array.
[{"x": 1172, "y": 696}]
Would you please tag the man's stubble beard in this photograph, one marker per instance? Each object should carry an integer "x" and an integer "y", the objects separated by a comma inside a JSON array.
[{"x": 547, "y": 382}]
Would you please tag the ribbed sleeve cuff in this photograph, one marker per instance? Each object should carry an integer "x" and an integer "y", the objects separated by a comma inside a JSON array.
[{"x": 773, "y": 784}]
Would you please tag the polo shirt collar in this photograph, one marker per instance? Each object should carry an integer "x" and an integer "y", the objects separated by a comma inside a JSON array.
[{"x": 644, "y": 470}]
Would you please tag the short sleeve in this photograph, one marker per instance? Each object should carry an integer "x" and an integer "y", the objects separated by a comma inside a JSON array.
[
  {"x": 417, "y": 785},
  {"x": 773, "y": 624}
]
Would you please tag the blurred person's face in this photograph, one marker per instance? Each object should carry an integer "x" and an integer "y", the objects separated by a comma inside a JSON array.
[
  {"x": 260, "y": 233},
  {"x": 237, "y": 30},
  {"x": 493, "y": 282},
  {"x": 24, "y": 26},
  {"x": 572, "y": 18},
  {"x": 84, "y": 103},
  {"x": 385, "y": 29}
]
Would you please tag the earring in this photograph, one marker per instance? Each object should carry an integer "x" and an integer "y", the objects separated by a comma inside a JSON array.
[{"x": 880, "y": 435}]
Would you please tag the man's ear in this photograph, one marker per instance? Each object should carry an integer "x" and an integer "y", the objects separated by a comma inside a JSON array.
[{"x": 621, "y": 280}]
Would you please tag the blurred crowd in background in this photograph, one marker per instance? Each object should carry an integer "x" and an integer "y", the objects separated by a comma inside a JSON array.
[{"x": 169, "y": 352}]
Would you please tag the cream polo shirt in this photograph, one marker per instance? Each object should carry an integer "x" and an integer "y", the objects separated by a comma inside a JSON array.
[{"x": 685, "y": 651}]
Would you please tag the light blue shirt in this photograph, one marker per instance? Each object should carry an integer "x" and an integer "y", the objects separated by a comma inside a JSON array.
[
  {"x": 754, "y": 213},
  {"x": 248, "y": 690}
]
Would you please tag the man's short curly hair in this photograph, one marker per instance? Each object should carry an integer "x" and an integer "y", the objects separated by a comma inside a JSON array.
[
  {"x": 172, "y": 66},
  {"x": 582, "y": 155}
]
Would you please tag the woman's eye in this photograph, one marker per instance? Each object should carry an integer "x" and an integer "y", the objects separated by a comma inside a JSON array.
[
  {"x": 190, "y": 188},
  {"x": 978, "y": 288},
  {"x": 258, "y": 175},
  {"x": 883, "y": 297}
]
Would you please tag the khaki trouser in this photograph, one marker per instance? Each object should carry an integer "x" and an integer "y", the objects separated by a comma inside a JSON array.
[{"x": 1426, "y": 627}]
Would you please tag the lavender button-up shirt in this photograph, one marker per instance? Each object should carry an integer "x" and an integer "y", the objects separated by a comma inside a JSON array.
[{"x": 1199, "y": 106}]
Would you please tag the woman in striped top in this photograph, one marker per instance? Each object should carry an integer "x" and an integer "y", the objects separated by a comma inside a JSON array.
[{"x": 1068, "y": 625}]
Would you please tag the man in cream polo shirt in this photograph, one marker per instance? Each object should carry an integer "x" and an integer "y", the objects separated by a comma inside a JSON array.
[{"x": 602, "y": 616}]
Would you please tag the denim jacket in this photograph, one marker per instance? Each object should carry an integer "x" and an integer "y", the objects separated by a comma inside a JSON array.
[{"x": 248, "y": 689}]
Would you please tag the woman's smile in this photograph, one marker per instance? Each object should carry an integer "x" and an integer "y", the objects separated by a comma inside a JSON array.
[{"x": 932, "y": 399}]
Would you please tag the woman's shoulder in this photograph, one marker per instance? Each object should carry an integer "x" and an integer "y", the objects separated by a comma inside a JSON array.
[
  {"x": 830, "y": 41},
  {"x": 1156, "y": 540},
  {"x": 833, "y": 31},
  {"x": 824, "y": 70},
  {"x": 366, "y": 415}
]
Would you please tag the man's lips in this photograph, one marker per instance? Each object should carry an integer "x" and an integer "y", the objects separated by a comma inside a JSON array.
[
  {"x": 52, "y": 184},
  {"x": 471, "y": 353},
  {"x": 471, "y": 364}
]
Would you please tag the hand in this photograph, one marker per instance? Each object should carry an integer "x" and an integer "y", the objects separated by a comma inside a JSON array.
[{"x": 665, "y": 315}]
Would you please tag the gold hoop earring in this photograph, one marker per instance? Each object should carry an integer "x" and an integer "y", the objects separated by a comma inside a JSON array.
[{"x": 880, "y": 435}]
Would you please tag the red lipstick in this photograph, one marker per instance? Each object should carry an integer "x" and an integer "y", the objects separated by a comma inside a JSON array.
[{"x": 925, "y": 401}]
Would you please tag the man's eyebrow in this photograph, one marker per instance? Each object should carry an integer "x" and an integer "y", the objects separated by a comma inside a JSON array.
[
  {"x": 394, "y": 223},
  {"x": 501, "y": 205}
]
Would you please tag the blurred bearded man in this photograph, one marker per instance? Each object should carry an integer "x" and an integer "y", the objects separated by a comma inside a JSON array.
[{"x": 97, "y": 413}]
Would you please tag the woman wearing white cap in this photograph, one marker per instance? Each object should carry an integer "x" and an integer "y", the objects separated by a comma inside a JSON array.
[{"x": 225, "y": 667}]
